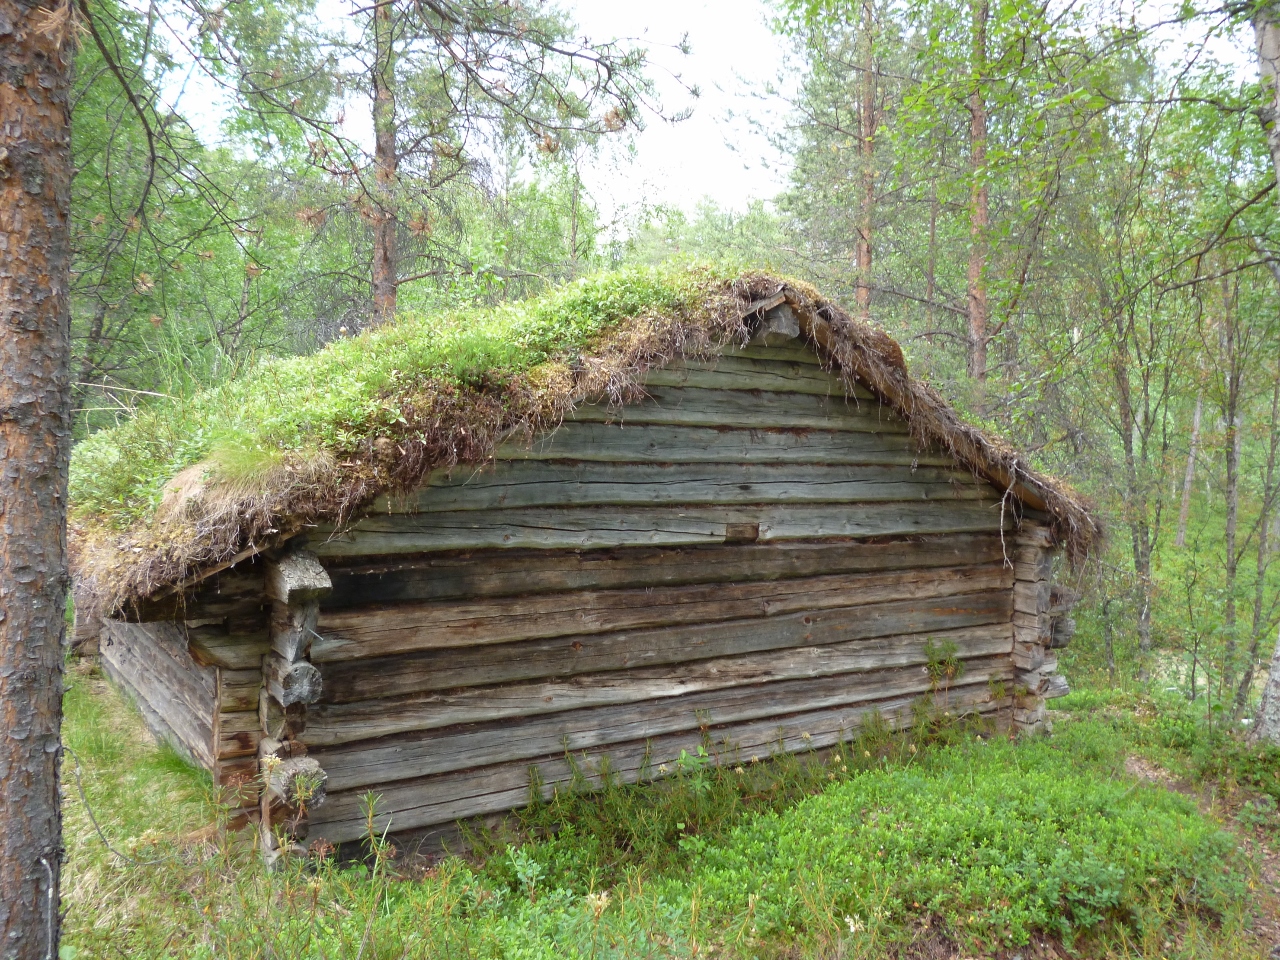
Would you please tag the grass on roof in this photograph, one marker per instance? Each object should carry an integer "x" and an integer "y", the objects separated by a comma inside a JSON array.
[{"x": 333, "y": 400}]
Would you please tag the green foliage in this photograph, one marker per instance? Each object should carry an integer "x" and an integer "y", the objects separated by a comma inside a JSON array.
[
  {"x": 344, "y": 394},
  {"x": 943, "y": 663},
  {"x": 999, "y": 840},
  {"x": 850, "y": 853}
]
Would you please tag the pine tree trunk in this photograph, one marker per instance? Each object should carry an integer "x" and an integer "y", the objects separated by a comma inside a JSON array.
[
  {"x": 35, "y": 447},
  {"x": 979, "y": 207},
  {"x": 385, "y": 254}
]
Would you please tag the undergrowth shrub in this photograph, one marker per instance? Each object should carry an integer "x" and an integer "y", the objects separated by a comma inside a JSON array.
[
  {"x": 853, "y": 852},
  {"x": 593, "y": 834},
  {"x": 1197, "y": 741},
  {"x": 996, "y": 840}
]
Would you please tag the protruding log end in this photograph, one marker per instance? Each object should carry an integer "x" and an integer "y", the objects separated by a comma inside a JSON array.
[
  {"x": 292, "y": 683},
  {"x": 297, "y": 578}
]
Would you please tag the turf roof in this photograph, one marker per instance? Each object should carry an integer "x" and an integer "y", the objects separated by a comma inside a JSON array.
[{"x": 191, "y": 484}]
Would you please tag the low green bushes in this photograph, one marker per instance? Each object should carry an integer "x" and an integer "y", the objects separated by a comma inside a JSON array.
[
  {"x": 994, "y": 841},
  {"x": 862, "y": 852}
]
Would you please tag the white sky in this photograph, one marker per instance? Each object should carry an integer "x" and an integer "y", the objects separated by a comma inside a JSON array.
[{"x": 732, "y": 55}]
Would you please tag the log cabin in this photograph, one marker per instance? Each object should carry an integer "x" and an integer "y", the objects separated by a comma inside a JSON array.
[{"x": 730, "y": 519}]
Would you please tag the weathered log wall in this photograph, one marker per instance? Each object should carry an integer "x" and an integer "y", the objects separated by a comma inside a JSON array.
[{"x": 746, "y": 558}]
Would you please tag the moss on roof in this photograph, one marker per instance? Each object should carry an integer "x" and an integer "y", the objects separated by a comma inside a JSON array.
[
  {"x": 193, "y": 485},
  {"x": 352, "y": 389}
]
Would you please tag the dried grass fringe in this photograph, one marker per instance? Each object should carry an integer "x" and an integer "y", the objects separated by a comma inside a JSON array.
[{"x": 202, "y": 527}]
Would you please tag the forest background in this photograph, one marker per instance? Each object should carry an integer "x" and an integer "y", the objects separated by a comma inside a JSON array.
[{"x": 1064, "y": 212}]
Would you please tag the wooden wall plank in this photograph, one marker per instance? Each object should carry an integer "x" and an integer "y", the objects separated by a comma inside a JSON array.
[
  {"x": 154, "y": 678},
  {"x": 238, "y": 689},
  {"x": 237, "y": 734},
  {"x": 475, "y": 574},
  {"x": 216, "y": 647},
  {"x": 234, "y": 593},
  {"x": 366, "y": 764},
  {"x": 799, "y": 353},
  {"x": 332, "y": 724},
  {"x": 592, "y": 527},
  {"x": 443, "y": 798},
  {"x": 370, "y": 631},
  {"x": 747, "y": 373},
  {"x": 539, "y": 483},
  {"x": 158, "y": 725},
  {"x": 567, "y": 656},
  {"x": 667, "y": 443},
  {"x": 691, "y": 406}
]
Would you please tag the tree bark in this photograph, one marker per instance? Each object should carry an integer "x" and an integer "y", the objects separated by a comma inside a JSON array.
[
  {"x": 931, "y": 268},
  {"x": 1136, "y": 496},
  {"x": 35, "y": 448},
  {"x": 1266, "y": 722},
  {"x": 1270, "y": 491},
  {"x": 979, "y": 207},
  {"x": 386, "y": 159},
  {"x": 1231, "y": 413},
  {"x": 1266, "y": 35},
  {"x": 867, "y": 122},
  {"x": 1184, "y": 512}
]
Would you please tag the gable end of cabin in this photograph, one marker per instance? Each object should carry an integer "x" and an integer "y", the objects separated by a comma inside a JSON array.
[{"x": 748, "y": 555}]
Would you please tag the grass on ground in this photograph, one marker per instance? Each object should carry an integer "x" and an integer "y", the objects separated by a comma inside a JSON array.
[{"x": 945, "y": 845}]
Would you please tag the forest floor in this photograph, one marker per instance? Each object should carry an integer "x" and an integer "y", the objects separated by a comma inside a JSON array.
[{"x": 1135, "y": 830}]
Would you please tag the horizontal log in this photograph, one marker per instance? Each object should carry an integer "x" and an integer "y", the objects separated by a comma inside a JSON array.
[
  {"x": 1056, "y": 687},
  {"x": 409, "y": 805},
  {"x": 293, "y": 627},
  {"x": 540, "y": 483},
  {"x": 234, "y": 593},
  {"x": 165, "y": 641},
  {"x": 1035, "y": 535},
  {"x": 474, "y": 574},
  {"x": 1036, "y": 625},
  {"x": 332, "y": 724},
  {"x": 296, "y": 578},
  {"x": 748, "y": 373},
  {"x": 237, "y": 734},
  {"x": 291, "y": 682},
  {"x": 1027, "y": 656},
  {"x": 568, "y": 656},
  {"x": 168, "y": 715},
  {"x": 789, "y": 353},
  {"x": 238, "y": 690},
  {"x": 1028, "y": 572},
  {"x": 360, "y": 632},
  {"x": 665, "y": 443},
  {"x": 1061, "y": 632},
  {"x": 160, "y": 649},
  {"x": 689, "y": 406},
  {"x": 1031, "y": 598},
  {"x": 237, "y": 779},
  {"x": 215, "y": 647},
  {"x": 592, "y": 527},
  {"x": 367, "y": 764}
]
